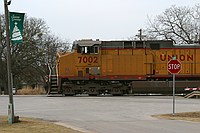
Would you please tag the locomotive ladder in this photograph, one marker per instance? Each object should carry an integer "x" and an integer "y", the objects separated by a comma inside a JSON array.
[{"x": 53, "y": 82}]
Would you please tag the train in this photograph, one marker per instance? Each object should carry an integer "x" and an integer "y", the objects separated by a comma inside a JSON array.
[{"x": 123, "y": 67}]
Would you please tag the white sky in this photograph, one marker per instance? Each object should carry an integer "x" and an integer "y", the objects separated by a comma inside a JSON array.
[{"x": 94, "y": 19}]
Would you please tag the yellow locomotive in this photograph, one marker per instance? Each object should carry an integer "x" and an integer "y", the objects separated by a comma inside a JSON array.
[{"x": 124, "y": 67}]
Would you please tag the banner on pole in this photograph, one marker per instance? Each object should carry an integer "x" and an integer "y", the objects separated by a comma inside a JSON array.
[{"x": 16, "y": 27}]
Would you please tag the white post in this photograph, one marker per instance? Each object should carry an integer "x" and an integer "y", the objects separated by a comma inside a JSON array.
[{"x": 173, "y": 95}]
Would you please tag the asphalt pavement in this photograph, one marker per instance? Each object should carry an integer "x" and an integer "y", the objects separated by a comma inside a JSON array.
[{"x": 128, "y": 114}]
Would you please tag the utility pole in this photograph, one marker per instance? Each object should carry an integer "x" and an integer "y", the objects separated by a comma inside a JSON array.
[
  {"x": 11, "y": 105},
  {"x": 140, "y": 35}
]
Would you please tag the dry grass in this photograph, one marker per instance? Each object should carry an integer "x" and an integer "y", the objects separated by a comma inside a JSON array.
[
  {"x": 27, "y": 90},
  {"x": 188, "y": 116},
  {"x": 28, "y": 125}
]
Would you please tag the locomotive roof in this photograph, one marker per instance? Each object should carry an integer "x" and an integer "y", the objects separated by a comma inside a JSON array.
[
  {"x": 87, "y": 42},
  {"x": 133, "y": 43}
]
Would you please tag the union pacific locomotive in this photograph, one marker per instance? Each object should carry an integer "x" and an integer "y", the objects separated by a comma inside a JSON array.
[{"x": 124, "y": 67}]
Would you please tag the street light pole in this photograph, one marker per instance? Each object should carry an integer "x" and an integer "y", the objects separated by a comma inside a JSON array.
[{"x": 11, "y": 105}]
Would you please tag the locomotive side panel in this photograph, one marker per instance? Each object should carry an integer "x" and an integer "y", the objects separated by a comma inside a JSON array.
[
  {"x": 129, "y": 65},
  {"x": 187, "y": 56},
  {"x": 86, "y": 64},
  {"x": 66, "y": 65},
  {"x": 197, "y": 66},
  {"x": 149, "y": 64},
  {"x": 188, "y": 60},
  {"x": 125, "y": 64},
  {"x": 161, "y": 66}
]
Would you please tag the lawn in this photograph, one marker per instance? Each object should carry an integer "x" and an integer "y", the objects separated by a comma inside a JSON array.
[
  {"x": 187, "y": 116},
  {"x": 30, "y": 125}
]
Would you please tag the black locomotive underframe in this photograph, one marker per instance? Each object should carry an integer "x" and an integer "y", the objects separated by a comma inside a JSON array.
[{"x": 121, "y": 87}]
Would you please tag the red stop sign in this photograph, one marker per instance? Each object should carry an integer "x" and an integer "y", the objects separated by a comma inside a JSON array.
[{"x": 174, "y": 66}]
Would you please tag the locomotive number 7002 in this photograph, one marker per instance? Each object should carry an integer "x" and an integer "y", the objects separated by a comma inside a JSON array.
[{"x": 88, "y": 59}]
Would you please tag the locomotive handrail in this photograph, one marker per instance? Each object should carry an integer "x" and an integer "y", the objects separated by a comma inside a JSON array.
[
  {"x": 50, "y": 71},
  {"x": 57, "y": 73}
]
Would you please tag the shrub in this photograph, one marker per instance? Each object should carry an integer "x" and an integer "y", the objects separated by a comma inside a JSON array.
[{"x": 28, "y": 90}]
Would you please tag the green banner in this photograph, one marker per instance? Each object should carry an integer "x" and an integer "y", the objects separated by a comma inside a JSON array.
[{"x": 16, "y": 27}]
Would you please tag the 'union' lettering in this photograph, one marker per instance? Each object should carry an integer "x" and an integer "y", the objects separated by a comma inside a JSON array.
[{"x": 179, "y": 57}]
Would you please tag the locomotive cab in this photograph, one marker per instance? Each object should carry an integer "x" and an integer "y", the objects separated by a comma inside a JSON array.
[{"x": 87, "y": 62}]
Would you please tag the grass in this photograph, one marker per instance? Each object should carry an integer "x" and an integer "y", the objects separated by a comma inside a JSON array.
[
  {"x": 30, "y": 125},
  {"x": 27, "y": 90},
  {"x": 187, "y": 116}
]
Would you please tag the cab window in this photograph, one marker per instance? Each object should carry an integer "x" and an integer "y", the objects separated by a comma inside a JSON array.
[{"x": 88, "y": 49}]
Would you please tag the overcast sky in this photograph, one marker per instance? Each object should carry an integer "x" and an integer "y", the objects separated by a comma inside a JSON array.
[{"x": 94, "y": 19}]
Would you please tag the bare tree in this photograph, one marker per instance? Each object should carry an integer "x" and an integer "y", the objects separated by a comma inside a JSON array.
[
  {"x": 181, "y": 24},
  {"x": 3, "y": 77},
  {"x": 38, "y": 50},
  {"x": 30, "y": 59}
]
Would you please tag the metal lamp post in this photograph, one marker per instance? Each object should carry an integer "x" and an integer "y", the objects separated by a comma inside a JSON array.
[{"x": 11, "y": 105}]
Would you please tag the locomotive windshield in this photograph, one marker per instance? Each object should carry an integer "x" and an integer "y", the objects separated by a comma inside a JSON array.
[{"x": 88, "y": 49}]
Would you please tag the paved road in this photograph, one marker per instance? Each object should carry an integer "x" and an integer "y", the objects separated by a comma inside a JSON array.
[{"x": 107, "y": 114}]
